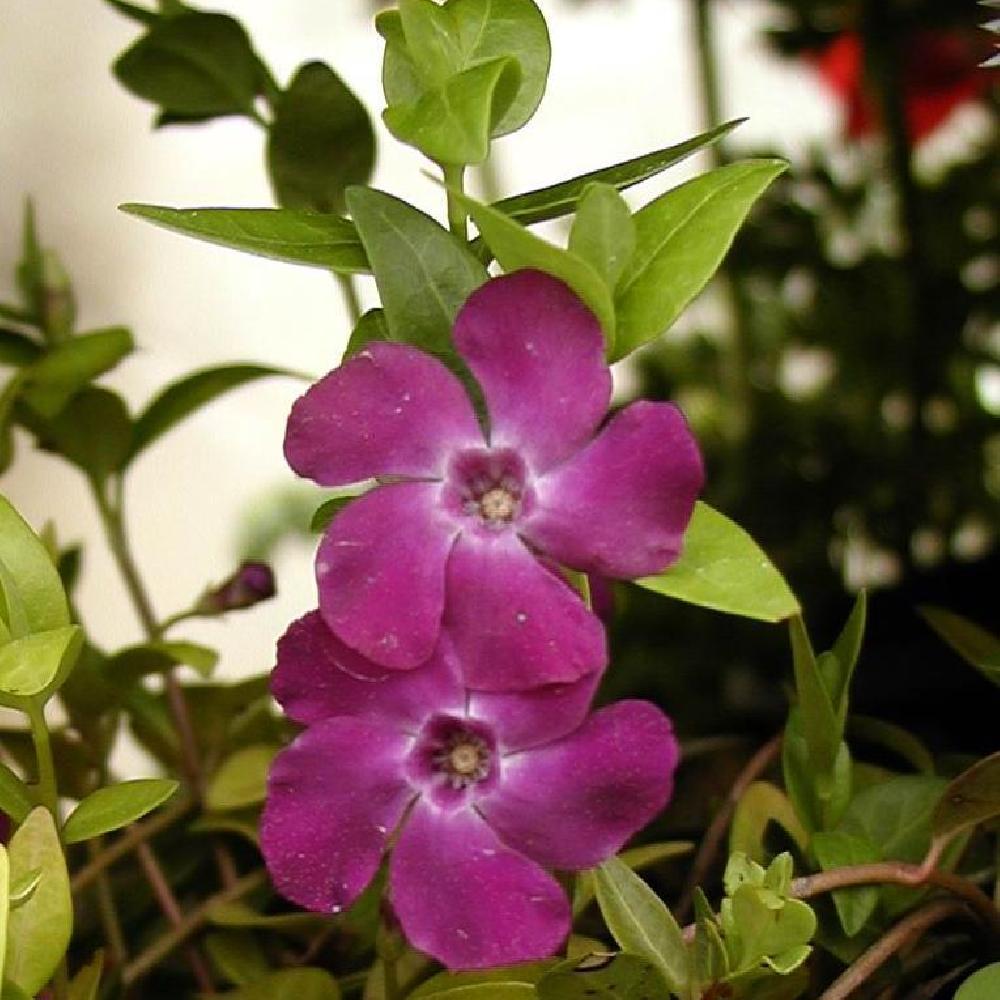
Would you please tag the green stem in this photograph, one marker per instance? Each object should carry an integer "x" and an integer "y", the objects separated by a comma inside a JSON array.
[
  {"x": 110, "y": 922},
  {"x": 48, "y": 790},
  {"x": 350, "y": 294},
  {"x": 391, "y": 979},
  {"x": 454, "y": 179},
  {"x": 708, "y": 75}
]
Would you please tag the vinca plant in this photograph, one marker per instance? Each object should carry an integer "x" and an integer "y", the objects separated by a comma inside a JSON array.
[{"x": 433, "y": 785}]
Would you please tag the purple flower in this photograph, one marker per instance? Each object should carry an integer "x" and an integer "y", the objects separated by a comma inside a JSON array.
[
  {"x": 454, "y": 538},
  {"x": 479, "y": 792}
]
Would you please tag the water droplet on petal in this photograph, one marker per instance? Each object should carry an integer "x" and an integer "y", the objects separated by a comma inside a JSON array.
[{"x": 521, "y": 617}]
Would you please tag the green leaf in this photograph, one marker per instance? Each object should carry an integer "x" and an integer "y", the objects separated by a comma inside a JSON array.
[
  {"x": 423, "y": 274},
  {"x": 846, "y": 650},
  {"x": 681, "y": 238},
  {"x": 723, "y": 568},
  {"x": 979, "y": 648},
  {"x": 284, "y": 234},
  {"x": 452, "y": 123},
  {"x": 29, "y": 564},
  {"x": 236, "y": 956},
  {"x": 290, "y": 984},
  {"x": 821, "y": 726},
  {"x": 240, "y": 915},
  {"x": 819, "y": 798},
  {"x": 603, "y": 232},
  {"x": 431, "y": 38},
  {"x": 331, "y": 507},
  {"x": 757, "y": 928},
  {"x": 241, "y": 779},
  {"x": 193, "y": 64},
  {"x": 711, "y": 961},
  {"x": 638, "y": 859},
  {"x": 135, "y": 662},
  {"x": 93, "y": 432},
  {"x": 29, "y": 272},
  {"x": 640, "y": 922},
  {"x": 15, "y": 797},
  {"x": 16, "y": 349},
  {"x": 35, "y": 665},
  {"x": 320, "y": 141},
  {"x": 4, "y": 905},
  {"x": 517, "y": 982},
  {"x": 189, "y": 394},
  {"x": 40, "y": 930},
  {"x": 71, "y": 365},
  {"x": 516, "y": 247},
  {"x": 561, "y": 199},
  {"x": 604, "y": 977},
  {"x": 371, "y": 328},
  {"x": 24, "y": 888},
  {"x": 141, "y": 15},
  {"x": 836, "y": 849},
  {"x": 894, "y": 738},
  {"x": 972, "y": 798},
  {"x": 86, "y": 983},
  {"x": 981, "y": 985},
  {"x": 763, "y": 803},
  {"x": 116, "y": 806}
]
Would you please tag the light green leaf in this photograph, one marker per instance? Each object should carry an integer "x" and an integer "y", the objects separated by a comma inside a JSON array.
[
  {"x": 40, "y": 930},
  {"x": 788, "y": 961},
  {"x": 516, "y": 247},
  {"x": 640, "y": 922},
  {"x": 87, "y": 981},
  {"x": 198, "y": 64},
  {"x": 290, "y": 984},
  {"x": 30, "y": 566},
  {"x": 116, "y": 806},
  {"x": 972, "y": 798},
  {"x": 424, "y": 275},
  {"x": 846, "y": 651},
  {"x": 981, "y": 985},
  {"x": 24, "y": 888},
  {"x": 285, "y": 234},
  {"x": 723, "y": 568},
  {"x": 239, "y": 915},
  {"x": 762, "y": 929},
  {"x": 681, "y": 238},
  {"x": 320, "y": 141},
  {"x": 35, "y": 665},
  {"x": 71, "y": 365},
  {"x": 431, "y": 38},
  {"x": 604, "y": 977},
  {"x": 15, "y": 798},
  {"x": 603, "y": 232},
  {"x": 763, "y": 803},
  {"x": 189, "y": 394},
  {"x": 516, "y": 982},
  {"x": 837, "y": 849},
  {"x": 241, "y": 779},
  {"x": 979, "y": 648},
  {"x": 638, "y": 859}
]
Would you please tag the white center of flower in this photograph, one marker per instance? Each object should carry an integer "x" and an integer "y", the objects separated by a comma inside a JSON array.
[
  {"x": 497, "y": 504},
  {"x": 464, "y": 760}
]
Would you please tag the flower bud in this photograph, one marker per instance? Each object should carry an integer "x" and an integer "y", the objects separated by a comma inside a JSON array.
[{"x": 252, "y": 583}]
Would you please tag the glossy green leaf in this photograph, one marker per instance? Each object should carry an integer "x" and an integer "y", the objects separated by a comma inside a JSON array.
[
  {"x": 40, "y": 930},
  {"x": 290, "y": 984},
  {"x": 15, "y": 797},
  {"x": 71, "y": 365},
  {"x": 189, "y": 394},
  {"x": 432, "y": 40},
  {"x": 17, "y": 349},
  {"x": 424, "y": 275},
  {"x": 640, "y": 922},
  {"x": 285, "y": 234},
  {"x": 452, "y": 123},
  {"x": 981, "y": 985},
  {"x": 115, "y": 806},
  {"x": 972, "y": 798},
  {"x": 638, "y": 859},
  {"x": 35, "y": 665},
  {"x": 320, "y": 141},
  {"x": 87, "y": 982},
  {"x": 516, "y": 247},
  {"x": 711, "y": 961},
  {"x": 605, "y": 977},
  {"x": 762, "y": 804},
  {"x": 237, "y": 956},
  {"x": 681, "y": 239},
  {"x": 836, "y": 849},
  {"x": 603, "y": 232},
  {"x": 241, "y": 779},
  {"x": 723, "y": 568},
  {"x": 977, "y": 646},
  {"x": 29, "y": 564},
  {"x": 194, "y": 64},
  {"x": 517, "y": 982}
]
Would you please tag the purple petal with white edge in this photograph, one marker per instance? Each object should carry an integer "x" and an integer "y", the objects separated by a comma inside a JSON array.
[
  {"x": 538, "y": 353},
  {"x": 572, "y": 803},
  {"x": 389, "y": 411},
  {"x": 523, "y": 719},
  {"x": 621, "y": 505},
  {"x": 469, "y": 901},
  {"x": 333, "y": 798},
  {"x": 318, "y": 677},
  {"x": 381, "y": 573},
  {"x": 516, "y": 625}
]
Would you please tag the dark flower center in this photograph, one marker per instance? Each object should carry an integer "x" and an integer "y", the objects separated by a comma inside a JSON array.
[
  {"x": 452, "y": 759},
  {"x": 489, "y": 486},
  {"x": 465, "y": 759}
]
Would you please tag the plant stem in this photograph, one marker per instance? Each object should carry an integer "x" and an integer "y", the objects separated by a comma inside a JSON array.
[
  {"x": 351, "y": 300},
  {"x": 390, "y": 979},
  {"x": 908, "y": 930},
  {"x": 48, "y": 789},
  {"x": 454, "y": 179},
  {"x": 117, "y": 950}
]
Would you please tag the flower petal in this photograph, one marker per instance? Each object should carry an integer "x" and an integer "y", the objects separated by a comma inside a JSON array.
[
  {"x": 380, "y": 570},
  {"x": 467, "y": 900},
  {"x": 333, "y": 798},
  {"x": 515, "y": 624},
  {"x": 538, "y": 353},
  {"x": 318, "y": 677},
  {"x": 523, "y": 719},
  {"x": 620, "y": 506},
  {"x": 573, "y": 803},
  {"x": 391, "y": 410}
]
